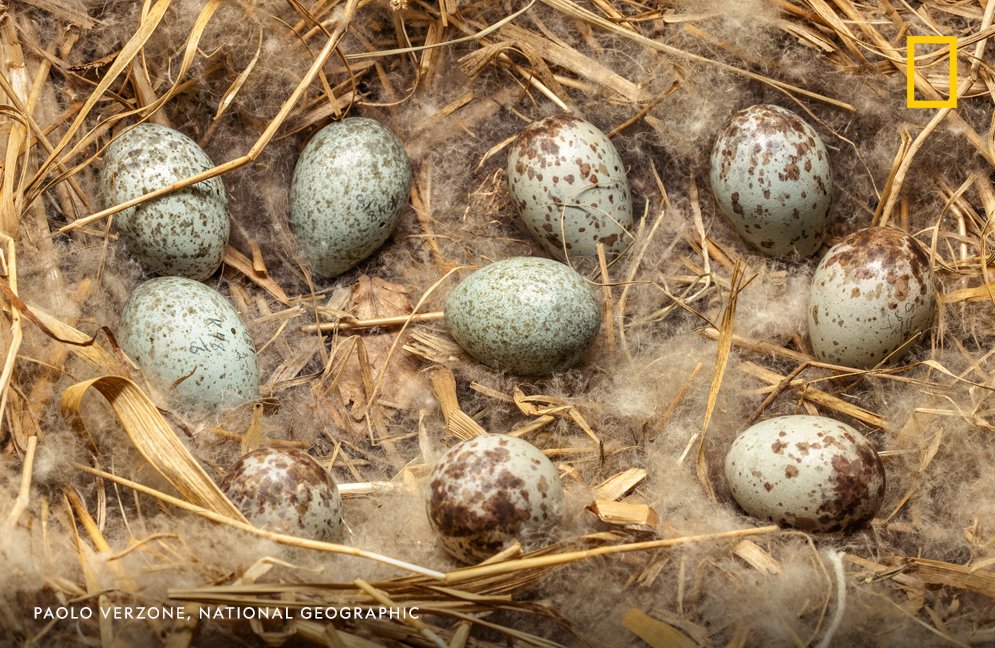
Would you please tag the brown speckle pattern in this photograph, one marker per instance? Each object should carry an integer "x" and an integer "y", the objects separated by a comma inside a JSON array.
[
  {"x": 827, "y": 478},
  {"x": 286, "y": 491},
  {"x": 870, "y": 294},
  {"x": 527, "y": 315},
  {"x": 184, "y": 233},
  {"x": 569, "y": 185},
  {"x": 489, "y": 491},
  {"x": 349, "y": 186},
  {"x": 771, "y": 177}
]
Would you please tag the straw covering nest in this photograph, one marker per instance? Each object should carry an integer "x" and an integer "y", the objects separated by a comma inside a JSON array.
[{"x": 111, "y": 510}]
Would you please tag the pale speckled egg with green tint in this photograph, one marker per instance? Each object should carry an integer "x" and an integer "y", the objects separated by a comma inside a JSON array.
[
  {"x": 349, "y": 186},
  {"x": 527, "y": 315},
  {"x": 184, "y": 233},
  {"x": 569, "y": 185},
  {"x": 190, "y": 343},
  {"x": 771, "y": 177}
]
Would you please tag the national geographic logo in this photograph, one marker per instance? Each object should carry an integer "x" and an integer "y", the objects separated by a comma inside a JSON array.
[{"x": 910, "y": 71}]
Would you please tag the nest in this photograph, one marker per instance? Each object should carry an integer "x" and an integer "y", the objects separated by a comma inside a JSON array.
[{"x": 114, "y": 531}]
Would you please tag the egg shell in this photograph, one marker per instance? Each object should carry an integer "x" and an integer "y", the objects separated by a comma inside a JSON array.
[
  {"x": 286, "y": 491},
  {"x": 570, "y": 188},
  {"x": 810, "y": 472},
  {"x": 349, "y": 186},
  {"x": 489, "y": 491},
  {"x": 527, "y": 315},
  {"x": 184, "y": 233},
  {"x": 176, "y": 328},
  {"x": 771, "y": 177},
  {"x": 871, "y": 294}
]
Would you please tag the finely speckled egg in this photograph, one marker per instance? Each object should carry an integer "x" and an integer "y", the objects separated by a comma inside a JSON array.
[
  {"x": 527, "y": 315},
  {"x": 349, "y": 186},
  {"x": 809, "y": 472},
  {"x": 569, "y": 185},
  {"x": 771, "y": 177},
  {"x": 871, "y": 294},
  {"x": 489, "y": 491},
  {"x": 189, "y": 342},
  {"x": 286, "y": 491},
  {"x": 184, "y": 233}
]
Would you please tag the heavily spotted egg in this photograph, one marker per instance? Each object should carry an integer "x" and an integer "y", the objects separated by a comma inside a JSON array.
[
  {"x": 286, "y": 491},
  {"x": 569, "y": 185},
  {"x": 489, "y": 491},
  {"x": 190, "y": 342},
  {"x": 809, "y": 472},
  {"x": 871, "y": 294},
  {"x": 528, "y": 315},
  {"x": 184, "y": 233},
  {"x": 771, "y": 177},
  {"x": 349, "y": 186}
]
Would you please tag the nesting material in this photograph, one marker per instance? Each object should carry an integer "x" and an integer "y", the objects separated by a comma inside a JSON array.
[{"x": 112, "y": 502}]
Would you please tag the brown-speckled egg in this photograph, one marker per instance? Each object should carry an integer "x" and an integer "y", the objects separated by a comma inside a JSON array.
[
  {"x": 286, "y": 491},
  {"x": 871, "y": 294},
  {"x": 809, "y": 472},
  {"x": 771, "y": 177},
  {"x": 569, "y": 185},
  {"x": 490, "y": 491}
]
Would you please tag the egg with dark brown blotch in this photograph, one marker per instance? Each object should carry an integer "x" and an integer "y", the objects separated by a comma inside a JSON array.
[
  {"x": 569, "y": 185},
  {"x": 183, "y": 233},
  {"x": 809, "y": 472},
  {"x": 189, "y": 342},
  {"x": 287, "y": 491},
  {"x": 771, "y": 177},
  {"x": 872, "y": 294},
  {"x": 490, "y": 491}
]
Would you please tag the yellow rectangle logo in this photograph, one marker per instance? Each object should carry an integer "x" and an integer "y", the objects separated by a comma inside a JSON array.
[{"x": 910, "y": 66}]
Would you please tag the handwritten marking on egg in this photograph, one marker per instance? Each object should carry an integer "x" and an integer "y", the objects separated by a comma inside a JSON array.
[
  {"x": 184, "y": 233},
  {"x": 569, "y": 185},
  {"x": 489, "y": 491},
  {"x": 189, "y": 342},
  {"x": 771, "y": 177},
  {"x": 810, "y": 472},
  {"x": 871, "y": 294}
]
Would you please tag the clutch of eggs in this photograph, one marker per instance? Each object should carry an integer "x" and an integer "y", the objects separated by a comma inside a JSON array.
[
  {"x": 570, "y": 188},
  {"x": 810, "y": 472},
  {"x": 184, "y": 233},
  {"x": 489, "y": 491},
  {"x": 771, "y": 177},
  {"x": 527, "y": 315},
  {"x": 871, "y": 294},
  {"x": 349, "y": 186},
  {"x": 189, "y": 341}
]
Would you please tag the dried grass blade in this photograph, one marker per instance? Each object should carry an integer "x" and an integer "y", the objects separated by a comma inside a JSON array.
[{"x": 654, "y": 632}]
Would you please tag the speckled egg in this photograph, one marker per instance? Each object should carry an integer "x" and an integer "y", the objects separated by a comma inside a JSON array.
[
  {"x": 184, "y": 233},
  {"x": 489, "y": 491},
  {"x": 809, "y": 472},
  {"x": 349, "y": 186},
  {"x": 190, "y": 343},
  {"x": 871, "y": 294},
  {"x": 569, "y": 185},
  {"x": 526, "y": 315},
  {"x": 771, "y": 177},
  {"x": 286, "y": 491}
]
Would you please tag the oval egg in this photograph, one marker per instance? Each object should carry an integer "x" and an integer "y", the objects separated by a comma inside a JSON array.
[
  {"x": 489, "y": 491},
  {"x": 771, "y": 177},
  {"x": 349, "y": 186},
  {"x": 570, "y": 188},
  {"x": 871, "y": 294},
  {"x": 189, "y": 342},
  {"x": 809, "y": 472},
  {"x": 527, "y": 315},
  {"x": 286, "y": 491},
  {"x": 184, "y": 233}
]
